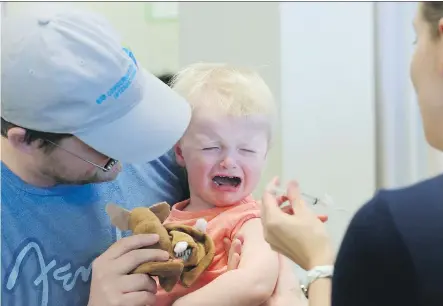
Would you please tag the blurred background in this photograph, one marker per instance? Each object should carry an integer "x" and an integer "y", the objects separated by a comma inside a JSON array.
[{"x": 339, "y": 70}]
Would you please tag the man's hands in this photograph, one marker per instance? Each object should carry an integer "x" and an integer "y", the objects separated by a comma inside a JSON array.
[
  {"x": 234, "y": 252},
  {"x": 112, "y": 286}
]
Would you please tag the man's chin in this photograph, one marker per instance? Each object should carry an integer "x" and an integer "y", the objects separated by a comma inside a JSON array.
[
  {"x": 103, "y": 180},
  {"x": 108, "y": 177},
  {"x": 96, "y": 179},
  {"x": 104, "y": 177}
]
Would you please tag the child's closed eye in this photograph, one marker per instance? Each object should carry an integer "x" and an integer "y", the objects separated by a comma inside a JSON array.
[{"x": 210, "y": 148}]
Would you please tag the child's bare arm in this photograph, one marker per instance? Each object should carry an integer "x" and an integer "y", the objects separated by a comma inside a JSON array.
[{"x": 251, "y": 284}]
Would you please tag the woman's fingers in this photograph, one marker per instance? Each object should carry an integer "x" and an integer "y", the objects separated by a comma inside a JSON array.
[
  {"x": 323, "y": 218},
  {"x": 287, "y": 209},
  {"x": 294, "y": 196},
  {"x": 273, "y": 185},
  {"x": 269, "y": 202},
  {"x": 267, "y": 206},
  {"x": 282, "y": 199}
]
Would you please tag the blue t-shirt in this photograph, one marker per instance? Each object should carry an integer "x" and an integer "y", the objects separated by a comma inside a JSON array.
[{"x": 50, "y": 236}]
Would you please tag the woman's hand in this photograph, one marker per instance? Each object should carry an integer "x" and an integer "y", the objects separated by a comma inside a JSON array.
[{"x": 300, "y": 236}]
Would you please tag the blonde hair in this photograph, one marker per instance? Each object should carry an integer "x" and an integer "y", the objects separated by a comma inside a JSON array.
[{"x": 224, "y": 89}]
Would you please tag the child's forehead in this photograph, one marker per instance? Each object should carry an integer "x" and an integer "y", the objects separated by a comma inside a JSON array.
[
  {"x": 214, "y": 121},
  {"x": 221, "y": 126}
]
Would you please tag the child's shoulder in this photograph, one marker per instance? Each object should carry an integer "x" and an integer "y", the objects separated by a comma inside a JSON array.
[
  {"x": 239, "y": 214},
  {"x": 247, "y": 204}
]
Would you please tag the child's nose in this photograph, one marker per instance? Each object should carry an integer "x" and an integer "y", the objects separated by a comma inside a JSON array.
[{"x": 228, "y": 163}]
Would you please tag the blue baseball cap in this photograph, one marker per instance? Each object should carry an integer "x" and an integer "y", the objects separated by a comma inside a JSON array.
[{"x": 66, "y": 71}]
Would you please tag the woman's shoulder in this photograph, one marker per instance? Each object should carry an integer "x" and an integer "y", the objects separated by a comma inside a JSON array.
[
  {"x": 414, "y": 205},
  {"x": 429, "y": 191},
  {"x": 412, "y": 214},
  {"x": 416, "y": 210},
  {"x": 399, "y": 231},
  {"x": 415, "y": 213},
  {"x": 425, "y": 197}
]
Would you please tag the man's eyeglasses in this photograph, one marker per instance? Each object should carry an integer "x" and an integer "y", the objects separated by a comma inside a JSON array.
[{"x": 105, "y": 168}]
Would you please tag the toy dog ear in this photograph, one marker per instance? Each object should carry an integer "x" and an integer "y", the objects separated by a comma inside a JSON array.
[
  {"x": 119, "y": 216},
  {"x": 161, "y": 210}
]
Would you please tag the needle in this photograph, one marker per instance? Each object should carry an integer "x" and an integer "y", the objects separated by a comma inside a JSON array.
[{"x": 327, "y": 201}]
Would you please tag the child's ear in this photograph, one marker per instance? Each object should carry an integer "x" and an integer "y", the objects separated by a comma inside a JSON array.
[{"x": 179, "y": 155}]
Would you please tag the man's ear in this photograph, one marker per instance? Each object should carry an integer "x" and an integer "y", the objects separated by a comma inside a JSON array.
[
  {"x": 179, "y": 154},
  {"x": 440, "y": 27},
  {"x": 440, "y": 46},
  {"x": 16, "y": 138}
]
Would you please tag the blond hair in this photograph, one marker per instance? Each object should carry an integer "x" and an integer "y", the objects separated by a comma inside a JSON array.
[{"x": 224, "y": 89}]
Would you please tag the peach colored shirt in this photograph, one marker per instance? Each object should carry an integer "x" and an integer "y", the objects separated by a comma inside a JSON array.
[{"x": 222, "y": 222}]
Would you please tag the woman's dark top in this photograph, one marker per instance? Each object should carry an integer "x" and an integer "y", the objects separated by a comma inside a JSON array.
[{"x": 392, "y": 252}]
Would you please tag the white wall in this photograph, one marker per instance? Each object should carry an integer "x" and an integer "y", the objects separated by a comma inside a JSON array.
[
  {"x": 338, "y": 84},
  {"x": 399, "y": 131},
  {"x": 319, "y": 67},
  {"x": 435, "y": 162},
  {"x": 239, "y": 33},
  {"x": 327, "y": 87},
  {"x": 404, "y": 157},
  {"x": 155, "y": 43}
]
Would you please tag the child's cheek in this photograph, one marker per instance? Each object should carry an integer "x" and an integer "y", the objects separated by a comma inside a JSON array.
[
  {"x": 253, "y": 172},
  {"x": 206, "y": 162},
  {"x": 200, "y": 166}
]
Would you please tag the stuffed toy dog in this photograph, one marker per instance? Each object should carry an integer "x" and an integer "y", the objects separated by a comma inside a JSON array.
[{"x": 190, "y": 249}]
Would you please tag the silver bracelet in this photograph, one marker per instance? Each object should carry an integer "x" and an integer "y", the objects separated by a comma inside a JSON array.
[
  {"x": 314, "y": 274},
  {"x": 304, "y": 290}
]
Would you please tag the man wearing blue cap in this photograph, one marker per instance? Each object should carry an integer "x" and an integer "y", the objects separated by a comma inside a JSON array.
[{"x": 82, "y": 125}]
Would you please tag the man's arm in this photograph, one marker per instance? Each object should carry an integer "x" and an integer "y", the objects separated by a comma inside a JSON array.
[
  {"x": 251, "y": 284},
  {"x": 174, "y": 179},
  {"x": 373, "y": 266}
]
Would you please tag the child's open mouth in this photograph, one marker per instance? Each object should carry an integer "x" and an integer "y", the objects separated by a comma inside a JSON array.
[{"x": 228, "y": 181}]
